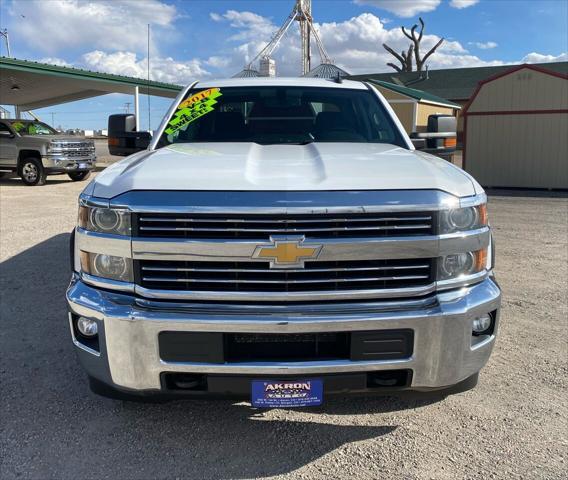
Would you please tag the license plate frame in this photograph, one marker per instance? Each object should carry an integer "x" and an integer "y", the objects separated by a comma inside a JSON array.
[{"x": 288, "y": 393}]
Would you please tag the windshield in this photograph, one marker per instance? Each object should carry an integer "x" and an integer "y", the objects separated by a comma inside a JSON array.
[
  {"x": 32, "y": 128},
  {"x": 280, "y": 115}
]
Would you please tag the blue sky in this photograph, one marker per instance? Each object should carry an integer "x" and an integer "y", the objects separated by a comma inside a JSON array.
[{"x": 194, "y": 39}]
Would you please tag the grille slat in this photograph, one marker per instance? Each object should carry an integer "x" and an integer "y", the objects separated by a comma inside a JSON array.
[
  {"x": 255, "y": 220},
  {"x": 262, "y": 226},
  {"x": 328, "y": 280},
  {"x": 288, "y": 270},
  {"x": 285, "y": 230},
  {"x": 259, "y": 277}
]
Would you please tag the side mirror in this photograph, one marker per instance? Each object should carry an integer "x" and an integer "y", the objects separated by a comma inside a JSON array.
[
  {"x": 419, "y": 143},
  {"x": 440, "y": 138},
  {"x": 6, "y": 134},
  {"x": 123, "y": 139}
]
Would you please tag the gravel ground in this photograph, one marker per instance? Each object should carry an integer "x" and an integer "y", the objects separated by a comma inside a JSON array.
[{"x": 512, "y": 425}]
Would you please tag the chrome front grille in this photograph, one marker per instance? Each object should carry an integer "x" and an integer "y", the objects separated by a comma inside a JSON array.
[
  {"x": 77, "y": 145},
  {"x": 79, "y": 152},
  {"x": 73, "y": 149},
  {"x": 258, "y": 277},
  {"x": 206, "y": 226}
]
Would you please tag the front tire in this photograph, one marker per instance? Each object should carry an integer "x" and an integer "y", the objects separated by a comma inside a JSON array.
[
  {"x": 32, "y": 172},
  {"x": 79, "y": 176}
]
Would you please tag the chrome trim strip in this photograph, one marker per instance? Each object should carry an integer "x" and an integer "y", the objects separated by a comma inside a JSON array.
[
  {"x": 286, "y": 202},
  {"x": 291, "y": 282},
  {"x": 282, "y": 296},
  {"x": 462, "y": 281},
  {"x": 285, "y": 296},
  {"x": 287, "y": 230},
  {"x": 474, "y": 200},
  {"x": 251, "y": 219},
  {"x": 272, "y": 368},
  {"x": 469, "y": 241},
  {"x": 106, "y": 243},
  {"x": 288, "y": 270},
  {"x": 89, "y": 201},
  {"x": 107, "y": 283},
  {"x": 484, "y": 342},
  {"x": 77, "y": 343},
  {"x": 389, "y": 248},
  {"x": 299, "y": 310}
]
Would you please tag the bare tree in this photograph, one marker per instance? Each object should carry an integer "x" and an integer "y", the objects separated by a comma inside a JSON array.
[{"x": 405, "y": 58}]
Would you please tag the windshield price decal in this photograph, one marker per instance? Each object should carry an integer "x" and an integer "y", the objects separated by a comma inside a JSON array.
[{"x": 191, "y": 109}]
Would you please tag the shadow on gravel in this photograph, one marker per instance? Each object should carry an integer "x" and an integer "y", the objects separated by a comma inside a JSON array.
[
  {"x": 521, "y": 192},
  {"x": 53, "y": 427},
  {"x": 14, "y": 181}
]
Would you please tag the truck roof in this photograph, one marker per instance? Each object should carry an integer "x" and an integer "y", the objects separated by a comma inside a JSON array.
[{"x": 281, "y": 82}]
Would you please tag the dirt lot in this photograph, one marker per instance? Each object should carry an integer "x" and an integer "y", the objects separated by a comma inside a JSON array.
[{"x": 513, "y": 425}]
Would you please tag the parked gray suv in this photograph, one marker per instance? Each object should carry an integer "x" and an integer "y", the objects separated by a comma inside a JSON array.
[{"x": 33, "y": 150}]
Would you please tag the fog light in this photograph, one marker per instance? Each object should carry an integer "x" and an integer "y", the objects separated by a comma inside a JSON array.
[
  {"x": 481, "y": 324},
  {"x": 87, "y": 327}
]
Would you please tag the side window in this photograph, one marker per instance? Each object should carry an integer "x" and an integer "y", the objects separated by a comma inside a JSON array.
[
  {"x": 381, "y": 127},
  {"x": 4, "y": 128}
]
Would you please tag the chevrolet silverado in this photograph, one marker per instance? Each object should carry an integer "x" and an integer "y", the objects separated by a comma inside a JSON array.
[{"x": 280, "y": 240}]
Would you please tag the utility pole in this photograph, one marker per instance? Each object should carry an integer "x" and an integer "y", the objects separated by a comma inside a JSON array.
[
  {"x": 127, "y": 107},
  {"x": 4, "y": 33},
  {"x": 304, "y": 9},
  {"x": 52, "y": 118}
]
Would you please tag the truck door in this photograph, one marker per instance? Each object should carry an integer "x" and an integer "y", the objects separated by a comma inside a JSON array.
[{"x": 8, "y": 147}]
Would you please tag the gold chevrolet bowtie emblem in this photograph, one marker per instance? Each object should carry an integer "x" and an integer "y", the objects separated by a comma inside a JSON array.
[{"x": 287, "y": 252}]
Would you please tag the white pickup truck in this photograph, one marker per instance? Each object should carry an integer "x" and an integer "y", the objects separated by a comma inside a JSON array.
[{"x": 280, "y": 240}]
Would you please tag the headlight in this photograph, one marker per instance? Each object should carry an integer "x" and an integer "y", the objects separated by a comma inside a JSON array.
[
  {"x": 462, "y": 264},
  {"x": 105, "y": 220},
  {"x": 107, "y": 266},
  {"x": 54, "y": 147},
  {"x": 462, "y": 219}
]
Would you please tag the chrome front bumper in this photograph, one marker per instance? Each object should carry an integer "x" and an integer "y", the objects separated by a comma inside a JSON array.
[
  {"x": 71, "y": 164},
  {"x": 445, "y": 352}
]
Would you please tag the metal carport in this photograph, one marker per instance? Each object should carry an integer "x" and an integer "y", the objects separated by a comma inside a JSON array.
[{"x": 28, "y": 85}]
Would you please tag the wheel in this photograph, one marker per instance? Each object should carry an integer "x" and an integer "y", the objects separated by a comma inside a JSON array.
[
  {"x": 32, "y": 172},
  {"x": 79, "y": 176}
]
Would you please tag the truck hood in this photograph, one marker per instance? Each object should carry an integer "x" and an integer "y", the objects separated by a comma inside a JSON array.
[
  {"x": 250, "y": 166},
  {"x": 66, "y": 138}
]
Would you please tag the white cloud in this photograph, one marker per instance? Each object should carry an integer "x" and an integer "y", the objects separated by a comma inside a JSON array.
[
  {"x": 251, "y": 24},
  {"x": 354, "y": 44},
  {"x": 55, "y": 61},
  {"x": 484, "y": 45},
  {"x": 534, "y": 57},
  {"x": 463, "y": 3},
  {"x": 53, "y": 26},
  {"x": 162, "y": 69},
  {"x": 217, "y": 62},
  {"x": 404, "y": 8}
]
